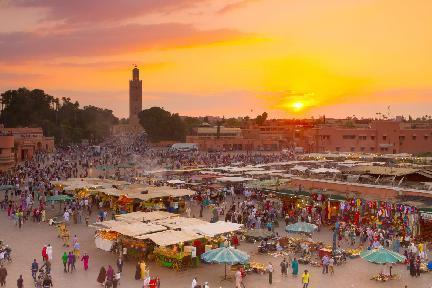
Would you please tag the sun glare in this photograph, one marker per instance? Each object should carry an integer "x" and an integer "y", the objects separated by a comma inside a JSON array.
[{"x": 298, "y": 106}]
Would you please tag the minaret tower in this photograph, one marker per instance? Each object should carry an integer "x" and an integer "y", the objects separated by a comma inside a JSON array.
[{"x": 135, "y": 97}]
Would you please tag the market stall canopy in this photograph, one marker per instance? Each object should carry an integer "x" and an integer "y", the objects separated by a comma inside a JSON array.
[
  {"x": 145, "y": 193},
  {"x": 259, "y": 234},
  {"x": 87, "y": 183},
  {"x": 325, "y": 170},
  {"x": 180, "y": 222},
  {"x": 387, "y": 171},
  {"x": 136, "y": 229},
  {"x": 299, "y": 168},
  {"x": 234, "y": 179},
  {"x": 145, "y": 216},
  {"x": 176, "y": 181},
  {"x": 301, "y": 227},
  {"x": 264, "y": 172},
  {"x": 382, "y": 256},
  {"x": 170, "y": 237},
  {"x": 213, "y": 229},
  {"x": 59, "y": 198},
  {"x": 266, "y": 183},
  {"x": 233, "y": 169}
]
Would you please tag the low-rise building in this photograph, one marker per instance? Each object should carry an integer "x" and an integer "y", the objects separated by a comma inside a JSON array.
[
  {"x": 20, "y": 144},
  {"x": 380, "y": 137},
  {"x": 230, "y": 139}
]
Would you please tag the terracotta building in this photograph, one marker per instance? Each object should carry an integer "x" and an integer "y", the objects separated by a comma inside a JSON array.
[
  {"x": 231, "y": 139},
  {"x": 20, "y": 144},
  {"x": 382, "y": 137}
]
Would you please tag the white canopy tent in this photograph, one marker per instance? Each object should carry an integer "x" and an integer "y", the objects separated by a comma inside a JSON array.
[
  {"x": 180, "y": 222},
  {"x": 234, "y": 179},
  {"x": 170, "y": 237},
  {"x": 145, "y": 216},
  {"x": 299, "y": 168},
  {"x": 325, "y": 170},
  {"x": 213, "y": 229},
  {"x": 176, "y": 181}
]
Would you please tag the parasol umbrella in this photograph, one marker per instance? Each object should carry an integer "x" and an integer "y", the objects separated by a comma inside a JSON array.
[
  {"x": 60, "y": 198},
  {"x": 259, "y": 234},
  {"x": 382, "y": 256},
  {"x": 301, "y": 227},
  {"x": 225, "y": 255}
]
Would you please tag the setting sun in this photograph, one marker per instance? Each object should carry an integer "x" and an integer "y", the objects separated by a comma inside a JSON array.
[{"x": 298, "y": 106}]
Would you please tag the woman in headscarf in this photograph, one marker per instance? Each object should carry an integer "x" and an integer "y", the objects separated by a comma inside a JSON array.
[
  {"x": 294, "y": 266},
  {"x": 85, "y": 260},
  {"x": 102, "y": 275}
]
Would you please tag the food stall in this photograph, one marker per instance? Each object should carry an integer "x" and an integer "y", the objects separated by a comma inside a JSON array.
[{"x": 172, "y": 251}]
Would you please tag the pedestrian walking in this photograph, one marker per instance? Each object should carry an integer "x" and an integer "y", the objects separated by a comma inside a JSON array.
[
  {"x": 3, "y": 275},
  {"x": 20, "y": 282},
  {"x": 325, "y": 264},
  {"x": 65, "y": 260},
  {"x": 305, "y": 279},
  {"x": 331, "y": 265},
  {"x": 34, "y": 269},
  {"x": 284, "y": 267},
  {"x": 119, "y": 264},
  {"x": 49, "y": 252},
  {"x": 70, "y": 261},
  {"x": 102, "y": 275},
  {"x": 270, "y": 271},
  {"x": 294, "y": 266},
  {"x": 85, "y": 259}
]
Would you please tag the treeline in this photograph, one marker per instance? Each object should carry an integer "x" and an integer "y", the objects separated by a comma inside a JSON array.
[
  {"x": 162, "y": 125},
  {"x": 61, "y": 118}
]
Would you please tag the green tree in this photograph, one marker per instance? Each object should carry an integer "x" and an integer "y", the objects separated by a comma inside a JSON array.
[
  {"x": 260, "y": 119},
  {"x": 63, "y": 119},
  {"x": 191, "y": 123},
  {"x": 162, "y": 125}
]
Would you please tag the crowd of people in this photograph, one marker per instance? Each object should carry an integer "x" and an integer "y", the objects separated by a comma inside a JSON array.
[{"x": 28, "y": 186}]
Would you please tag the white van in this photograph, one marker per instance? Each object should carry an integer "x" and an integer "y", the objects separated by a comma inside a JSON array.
[{"x": 184, "y": 147}]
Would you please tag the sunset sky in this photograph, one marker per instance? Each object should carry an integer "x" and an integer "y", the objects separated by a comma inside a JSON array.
[{"x": 291, "y": 58}]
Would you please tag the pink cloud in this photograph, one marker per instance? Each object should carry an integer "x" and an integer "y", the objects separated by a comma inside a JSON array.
[
  {"x": 235, "y": 6},
  {"x": 22, "y": 46},
  {"x": 90, "y": 11}
]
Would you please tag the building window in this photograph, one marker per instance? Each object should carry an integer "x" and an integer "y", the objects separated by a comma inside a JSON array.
[
  {"x": 372, "y": 137},
  {"x": 426, "y": 137},
  {"x": 337, "y": 149},
  {"x": 325, "y": 137},
  {"x": 401, "y": 138},
  {"x": 352, "y": 149},
  {"x": 362, "y": 137},
  {"x": 372, "y": 148},
  {"x": 348, "y": 136},
  {"x": 384, "y": 137},
  {"x": 362, "y": 149},
  {"x": 414, "y": 137}
]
